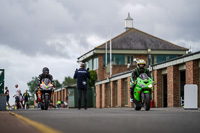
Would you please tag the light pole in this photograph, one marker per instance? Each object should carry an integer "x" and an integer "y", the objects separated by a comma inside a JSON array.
[{"x": 149, "y": 56}]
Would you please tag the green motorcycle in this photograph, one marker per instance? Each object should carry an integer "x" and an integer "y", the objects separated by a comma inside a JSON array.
[{"x": 143, "y": 92}]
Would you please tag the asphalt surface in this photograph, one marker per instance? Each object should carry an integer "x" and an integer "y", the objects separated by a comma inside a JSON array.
[
  {"x": 118, "y": 120},
  {"x": 11, "y": 124}
]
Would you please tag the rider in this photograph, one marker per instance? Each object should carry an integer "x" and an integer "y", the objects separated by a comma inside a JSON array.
[
  {"x": 141, "y": 68},
  {"x": 45, "y": 74}
]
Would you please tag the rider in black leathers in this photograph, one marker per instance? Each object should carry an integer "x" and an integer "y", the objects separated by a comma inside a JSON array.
[{"x": 45, "y": 74}]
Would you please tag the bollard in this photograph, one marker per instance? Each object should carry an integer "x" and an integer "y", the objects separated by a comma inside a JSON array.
[{"x": 2, "y": 102}]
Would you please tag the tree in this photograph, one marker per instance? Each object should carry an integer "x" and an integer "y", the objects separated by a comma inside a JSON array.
[
  {"x": 57, "y": 84},
  {"x": 93, "y": 79},
  {"x": 32, "y": 86},
  {"x": 69, "y": 81}
]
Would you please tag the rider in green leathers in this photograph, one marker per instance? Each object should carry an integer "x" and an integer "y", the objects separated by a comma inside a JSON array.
[{"x": 141, "y": 68}]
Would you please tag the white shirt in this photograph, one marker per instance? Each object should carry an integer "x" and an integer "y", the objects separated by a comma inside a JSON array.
[{"x": 17, "y": 91}]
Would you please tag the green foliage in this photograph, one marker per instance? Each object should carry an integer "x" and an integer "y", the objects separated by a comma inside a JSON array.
[
  {"x": 57, "y": 84},
  {"x": 69, "y": 81},
  {"x": 31, "y": 100},
  {"x": 93, "y": 79},
  {"x": 32, "y": 85}
]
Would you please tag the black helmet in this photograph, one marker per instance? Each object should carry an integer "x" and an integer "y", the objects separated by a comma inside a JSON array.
[{"x": 45, "y": 71}]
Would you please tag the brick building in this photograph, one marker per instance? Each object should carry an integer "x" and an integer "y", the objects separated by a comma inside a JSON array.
[
  {"x": 131, "y": 44},
  {"x": 170, "y": 76}
]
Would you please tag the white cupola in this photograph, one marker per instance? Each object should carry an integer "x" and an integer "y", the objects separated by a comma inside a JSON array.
[{"x": 128, "y": 22}]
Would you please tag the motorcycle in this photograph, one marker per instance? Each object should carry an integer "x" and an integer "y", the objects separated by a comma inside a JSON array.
[
  {"x": 143, "y": 92},
  {"x": 45, "y": 93}
]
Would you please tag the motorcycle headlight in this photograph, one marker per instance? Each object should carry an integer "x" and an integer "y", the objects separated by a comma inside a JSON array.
[{"x": 150, "y": 86}]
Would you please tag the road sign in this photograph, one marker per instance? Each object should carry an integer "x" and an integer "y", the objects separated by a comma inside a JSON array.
[{"x": 1, "y": 81}]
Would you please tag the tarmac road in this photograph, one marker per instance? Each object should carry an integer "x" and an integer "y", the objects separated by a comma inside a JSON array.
[{"x": 118, "y": 120}]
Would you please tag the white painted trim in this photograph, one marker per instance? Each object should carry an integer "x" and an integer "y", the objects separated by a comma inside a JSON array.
[
  {"x": 83, "y": 57},
  {"x": 113, "y": 79},
  {"x": 178, "y": 61},
  {"x": 59, "y": 89},
  {"x": 102, "y": 82},
  {"x": 98, "y": 51},
  {"x": 121, "y": 77}
]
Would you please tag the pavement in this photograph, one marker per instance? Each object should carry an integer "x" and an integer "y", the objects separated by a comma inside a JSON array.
[
  {"x": 118, "y": 120},
  {"x": 12, "y": 124}
]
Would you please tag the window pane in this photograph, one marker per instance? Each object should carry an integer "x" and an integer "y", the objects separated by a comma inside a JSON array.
[
  {"x": 95, "y": 63},
  {"x": 118, "y": 59},
  {"x": 131, "y": 60},
  {"x": 90, "y": 64},
  {"x": 161, "y": 58}
]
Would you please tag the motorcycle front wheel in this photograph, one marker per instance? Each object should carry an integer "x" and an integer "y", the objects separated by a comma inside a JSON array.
[
  {"x": 147, "y": 101},
  {"x": 46, "y": 102}
]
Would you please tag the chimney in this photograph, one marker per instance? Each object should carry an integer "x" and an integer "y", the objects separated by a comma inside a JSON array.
[{"x": 128, "y": 22}]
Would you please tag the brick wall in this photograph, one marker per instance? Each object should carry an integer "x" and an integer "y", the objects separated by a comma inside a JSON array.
[
  {"x": 112, "y": 86},
  {"x": 119, "y": 93},
  {"x": 100, "y": 71},
  {"x": 192, "y": 74},
  {"x": 157, "y": 88},
  {"x": 98, "y": 96},
  {"x": 121, "y": 68},
  {"x": 102, "y": 74},
  {"x": 104, "y": 96},
  {"x": 108, "y": 95},
  {"x": 173, "y": 86},
  {"x": 61, "y": 95}
]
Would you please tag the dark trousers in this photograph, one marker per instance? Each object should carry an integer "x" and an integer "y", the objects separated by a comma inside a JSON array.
[{"x": 80, "y": 91}]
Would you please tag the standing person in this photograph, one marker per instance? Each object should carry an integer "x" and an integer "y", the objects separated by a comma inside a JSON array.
[
  {"x": 7, "y": 96},
  {"x": 17, "y": 96},
  {"x": 26, "y": 97},
  {"x": 81, "y": 74}
]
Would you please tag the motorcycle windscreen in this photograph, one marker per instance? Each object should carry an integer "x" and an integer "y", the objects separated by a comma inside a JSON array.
[
  {"x": 144, "y": 76},
  {"x": 46, "y": 81}
]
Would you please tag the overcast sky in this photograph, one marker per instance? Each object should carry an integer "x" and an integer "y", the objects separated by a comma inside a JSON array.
[{"x": 53, "y": 33}]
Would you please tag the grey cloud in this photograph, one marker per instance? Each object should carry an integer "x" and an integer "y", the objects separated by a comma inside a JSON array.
[{"x": 29, "y": 25}]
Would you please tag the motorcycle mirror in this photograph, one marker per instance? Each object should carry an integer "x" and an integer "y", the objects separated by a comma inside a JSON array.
[{"x": 135, "y": 59}]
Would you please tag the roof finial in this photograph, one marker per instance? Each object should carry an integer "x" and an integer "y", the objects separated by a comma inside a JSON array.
[
  {"x": 129, "y": 17},
  {"x": 129, "y": 14},
  {"x": 128, "y": 22}
]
